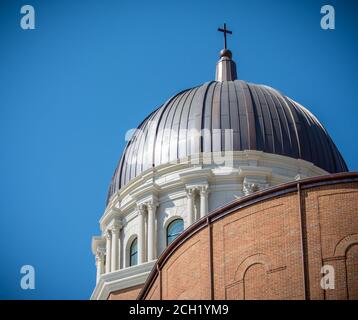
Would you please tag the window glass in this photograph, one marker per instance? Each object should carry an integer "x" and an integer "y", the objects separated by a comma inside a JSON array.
[
  {"x": 133, "y": 259},
  {"x": 174, "y": 229}
]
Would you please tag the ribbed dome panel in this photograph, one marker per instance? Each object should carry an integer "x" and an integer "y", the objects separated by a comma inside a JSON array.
[{"x": 261, "y": 119}]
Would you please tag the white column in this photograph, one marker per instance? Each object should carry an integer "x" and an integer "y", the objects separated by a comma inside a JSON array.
[
  {"x": 203, "y": 201},
  {"x": 108, "y": 251},
  {"x": 190, "y": 203},
  {"x": 120, "y": 248},
  {"x": 196, "y": 209},
  {"x": 141, "y": 234},
  {"x": 115, "y": 248},
  {"x": 99, "y": 263},
  {"x": 151, "y": 230}
]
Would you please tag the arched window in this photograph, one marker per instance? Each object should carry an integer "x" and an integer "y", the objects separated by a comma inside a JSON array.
[
  {"x": 174, "y": 229},
  {"x": 133, "y": 253}
]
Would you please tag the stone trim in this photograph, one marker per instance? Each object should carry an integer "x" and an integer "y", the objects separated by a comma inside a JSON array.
[{"x": 121, "y": 279}]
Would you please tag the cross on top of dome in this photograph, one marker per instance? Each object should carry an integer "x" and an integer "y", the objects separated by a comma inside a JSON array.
[
  {"x": 226, "y": 67},
  {"x": 225, "y": 31}
]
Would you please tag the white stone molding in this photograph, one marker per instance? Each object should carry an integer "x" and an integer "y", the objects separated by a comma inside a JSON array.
[
  {"x": 196, "y": 176},
  {"x": 121, "y": 279},
  {"x": 169, "y": 177},
  {"x": 98, "y": 242},
  {"x": 110, "y": 214},
  {"x": 259, "y": 172},
  {"x": 146, "y": 193}
]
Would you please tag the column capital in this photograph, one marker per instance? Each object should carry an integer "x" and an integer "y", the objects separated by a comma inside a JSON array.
[
  {"x": 141, "y": 208},
  {"x": 100, "y": 258},
  {"x": 249, "y": 188},
  {"x": 107, "y": 234},
  {"x": 152, "y": 205},
  {"x": 190, "y": 191},
  {"x": 99, "y": 254},
  {"x": 116, "y": 228},
  {"x": 204, "y": 189}
]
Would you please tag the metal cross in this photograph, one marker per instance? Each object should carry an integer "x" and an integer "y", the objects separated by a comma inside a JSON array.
[{"x": 225, "y": 31}]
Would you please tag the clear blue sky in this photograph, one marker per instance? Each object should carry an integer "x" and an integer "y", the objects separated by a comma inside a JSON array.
[{"x": 91, "y": 70}]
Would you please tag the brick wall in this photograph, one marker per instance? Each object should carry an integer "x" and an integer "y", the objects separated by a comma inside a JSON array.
[{"x": 272, "y": 249}]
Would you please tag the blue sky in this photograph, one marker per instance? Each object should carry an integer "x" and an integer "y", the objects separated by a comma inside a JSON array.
[{"x": 91, "y": 70}]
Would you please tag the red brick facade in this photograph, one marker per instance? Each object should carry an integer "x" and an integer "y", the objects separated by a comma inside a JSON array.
[{"x": 270, "y": 245}]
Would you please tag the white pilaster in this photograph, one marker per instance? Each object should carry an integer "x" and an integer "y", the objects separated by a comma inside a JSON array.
[
  {"x": 141, "y": 234},
  {"x": 99, "y": 263},
  {"x": 151, "y": 230},
  {"x": 203, "y": 201},
  {"x": 108, "y": 251},
  {"x": 190, "y": 202},
  {"x": 115, "y": 247}
]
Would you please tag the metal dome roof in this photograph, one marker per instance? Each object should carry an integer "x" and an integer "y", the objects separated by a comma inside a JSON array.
[{"x": 261, "y": 119}]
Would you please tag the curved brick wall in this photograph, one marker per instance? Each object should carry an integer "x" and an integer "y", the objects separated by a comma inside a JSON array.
[{"x": 270, "y": 245}]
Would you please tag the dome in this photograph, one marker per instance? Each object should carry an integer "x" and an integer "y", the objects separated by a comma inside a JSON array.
[{"x": 261, "y": 118}]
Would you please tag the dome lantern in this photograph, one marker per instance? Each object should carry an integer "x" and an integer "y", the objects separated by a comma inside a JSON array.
[{"x": 226, "y": 67}]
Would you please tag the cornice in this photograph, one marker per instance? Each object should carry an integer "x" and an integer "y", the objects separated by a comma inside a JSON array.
[
  {"x": 257, "y": 171},
  {"x": 196, "y": 174},
  {"x": 149, "y": 193},
  {"x": 111, "y": 213},
  {"x": 97, "y": 241},
  {"x": 165, "y": 178},
  {"x": 121, "y": 279}
]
